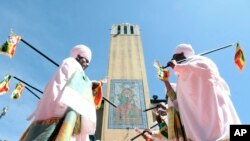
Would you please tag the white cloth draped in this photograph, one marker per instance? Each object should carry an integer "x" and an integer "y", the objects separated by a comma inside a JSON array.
[
  {"x": 53, "y": 104},
  {"x": 204, "y": 100}
]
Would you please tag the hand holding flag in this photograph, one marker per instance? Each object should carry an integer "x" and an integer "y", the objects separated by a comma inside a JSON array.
[
  {"x": 104, "y": 80},
  {"x": 161, "y": 74}
]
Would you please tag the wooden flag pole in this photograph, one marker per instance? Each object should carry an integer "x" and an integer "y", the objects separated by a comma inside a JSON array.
[
  {"x": 135, "y": 137},
  {"x": 202, "y": 54},
  {"x": 42, "y": 92},
  {"x": 54, "y": 64},
  {"x": 150, "y": 108},
  {"x": 39, "y": 52},
  {"x": 109, "y": 102},
  {"x": 214, "y": 50},
  {"x": 32, "y": 92},
  {"x": 27, "y": 84}
]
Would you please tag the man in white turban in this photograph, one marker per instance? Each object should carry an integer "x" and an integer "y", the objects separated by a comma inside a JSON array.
[
  {"x": 67, "y": 110},
  {"x": 203, "y": 96}
]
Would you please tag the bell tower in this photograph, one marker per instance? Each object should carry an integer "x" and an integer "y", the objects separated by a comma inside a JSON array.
[{"x": 127, "y": 86}]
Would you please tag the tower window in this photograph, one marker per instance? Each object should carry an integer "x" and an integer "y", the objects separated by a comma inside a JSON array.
[
  {"x": 131, "y": 30},
  {"x": 125, "y": 29},
  {"x": 118, "y": 29}
]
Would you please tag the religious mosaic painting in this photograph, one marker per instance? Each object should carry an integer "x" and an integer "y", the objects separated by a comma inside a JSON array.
[{"x": 129, "y": 97}]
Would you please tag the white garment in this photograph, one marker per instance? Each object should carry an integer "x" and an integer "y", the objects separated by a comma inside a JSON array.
[
  {"x": 204, "y": 100},
  {"x": 54, "y": 102}
]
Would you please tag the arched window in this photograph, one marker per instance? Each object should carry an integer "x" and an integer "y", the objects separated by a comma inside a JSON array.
[
  {"x": 118, "y": 29},
  {"x": 131, "y": 29},
  {"x": 125, "y": 29}
]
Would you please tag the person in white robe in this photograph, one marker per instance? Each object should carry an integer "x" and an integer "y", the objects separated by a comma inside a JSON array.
[
  {"x": 203, "y": 96},
  {"x": 69, "y": 90}
]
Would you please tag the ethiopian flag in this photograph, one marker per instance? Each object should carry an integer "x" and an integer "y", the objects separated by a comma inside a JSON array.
[
  {"x": 18, "y": 91},
  {"x": 5, "y": 84},
  {"x": 239, "y": 58},
  {"x": 98, "y": 96},
  {"x": 9, "y": 47}
]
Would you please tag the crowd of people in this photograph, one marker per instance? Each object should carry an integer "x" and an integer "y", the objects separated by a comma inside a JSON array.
[{"x": 198, "y": 107}]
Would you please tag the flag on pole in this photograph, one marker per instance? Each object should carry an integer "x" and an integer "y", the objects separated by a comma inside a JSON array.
[
  {"x": 5, "y": 84},
  {"x": 98, "y": 96},
  {"x": 9, "y": 47},
  {"x": 162, "y": 73},
  {"x": 239, "y": 58},
  {"x": 18, "y": 91}
]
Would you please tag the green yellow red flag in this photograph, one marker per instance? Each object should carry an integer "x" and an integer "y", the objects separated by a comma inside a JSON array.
[
  {"x": 9, "y": 47},
  {"x": 17, "y": 91},
  {"x": 5, "y": 84},
  {"x": 239, "y": 58}
]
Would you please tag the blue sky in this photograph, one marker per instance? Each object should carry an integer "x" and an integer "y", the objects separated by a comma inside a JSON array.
[{"x": 54, "y": 27}]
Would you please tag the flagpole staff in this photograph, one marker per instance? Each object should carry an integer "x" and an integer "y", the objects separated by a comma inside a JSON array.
[
  {"x": 143, "y": 132},
  {"x": 39, "y": 52},
  {"x": 54, "y": 64},
  {"x": 202, "y": 54},
  {"x": 150, "y": 108},
  {"x": 42, "y": 92},
  {"x": 214, "y": 50},
  {"x": 32, "y": 92},
  {"x": 109, "y": 102},
  {"x": 27, "y": 84}
]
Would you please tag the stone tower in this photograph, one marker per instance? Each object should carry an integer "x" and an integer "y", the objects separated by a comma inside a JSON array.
[{"x": 127, "y": 86}]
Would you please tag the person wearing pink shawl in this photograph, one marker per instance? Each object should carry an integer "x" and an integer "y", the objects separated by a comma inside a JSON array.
[
  {"x": 67, "y": 110},
  {"x": 203, "y": 96}
]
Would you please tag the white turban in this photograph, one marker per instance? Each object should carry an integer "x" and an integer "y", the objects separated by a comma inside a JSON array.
[
  {"x": 186, "y": 49},
  {"x": 81, "y": 50}
]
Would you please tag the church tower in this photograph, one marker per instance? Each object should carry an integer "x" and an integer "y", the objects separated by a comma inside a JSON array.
[{"x": 127, "y": 86}]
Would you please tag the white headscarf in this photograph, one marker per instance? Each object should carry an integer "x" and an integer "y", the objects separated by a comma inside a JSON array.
[
  {"x": 186, "y": 49},
  {"x": 81, "y": 50}
]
